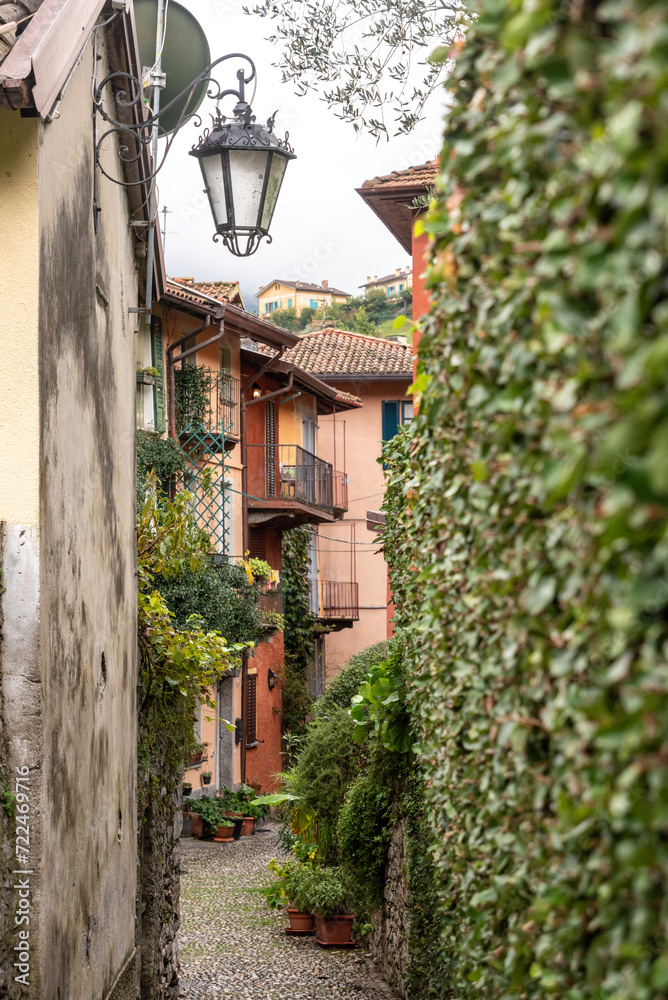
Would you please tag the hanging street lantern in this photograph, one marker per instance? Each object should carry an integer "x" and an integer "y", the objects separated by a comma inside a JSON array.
[{"x": 243, "y": 165}]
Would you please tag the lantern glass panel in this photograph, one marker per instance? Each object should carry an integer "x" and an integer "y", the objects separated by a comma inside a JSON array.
[
  {"x": 276, "y": 172},
  {"x": 212, "y": 168},
  {"x": 247, "y": 172}
]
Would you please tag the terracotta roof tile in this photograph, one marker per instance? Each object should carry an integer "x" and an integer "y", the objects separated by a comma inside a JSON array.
[
  {"x": 341, "y": 352},
  {"x": 224, "y": 291},
  {"x": 423, "y": 175}
]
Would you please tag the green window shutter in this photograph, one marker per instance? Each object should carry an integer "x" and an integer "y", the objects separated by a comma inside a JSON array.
[
  {"x": 390, "y": 419},
  {"x": 158, "y": 360}
]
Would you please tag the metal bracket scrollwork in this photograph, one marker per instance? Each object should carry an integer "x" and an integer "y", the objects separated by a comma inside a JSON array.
[{"x": 135, "y": 129}]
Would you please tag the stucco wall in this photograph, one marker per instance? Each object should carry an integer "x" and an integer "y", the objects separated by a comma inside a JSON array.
[
  {"x": 19, "y": 401},
  {"x": 264, "y": 761},
  {"x": 67, "y": 499},
  {"x": 358, "y": 436}
]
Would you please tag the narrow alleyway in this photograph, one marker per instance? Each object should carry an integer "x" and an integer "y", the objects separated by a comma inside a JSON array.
[{"x": 233, "y": 947}]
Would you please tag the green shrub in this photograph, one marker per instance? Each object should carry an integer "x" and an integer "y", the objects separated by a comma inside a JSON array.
[
  {"x": 327, "y": 765},
  {"x": 528, "y": 509},
  {"x": 346, "y": 684},
  {"x": 223, "y": 598},
  {"x": 363, "y": 830}
]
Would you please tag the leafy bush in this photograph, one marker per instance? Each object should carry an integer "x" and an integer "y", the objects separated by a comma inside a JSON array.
[
  {"x": 528, "y": 508},
  {"x": 328, "y": 763},
  {"x": 363, "y": 831},
  {"x": 163, "y": 457},
  {"x": 221, "y": 596},
  {"x": 346, "y": 684}
]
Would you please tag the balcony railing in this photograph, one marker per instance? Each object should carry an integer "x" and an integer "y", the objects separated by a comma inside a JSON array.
[
  {"x": 289, "y": 473},
  {"x": 206, "y": 400},
  {"x": 340, "y": 481},
  {"x": 339, "y": 600},
  {"x": 270, "y": 600}
]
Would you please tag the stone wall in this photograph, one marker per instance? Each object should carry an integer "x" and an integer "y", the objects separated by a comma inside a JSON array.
[
  {"x": 159, "y": 893},
  {"x": 389, "y": 939}
]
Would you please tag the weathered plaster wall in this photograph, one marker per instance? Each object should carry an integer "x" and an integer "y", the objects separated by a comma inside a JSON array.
[
  {"x": 87, "y": 571},
  {"x": 19, "y": 400},
  {"x": 20, "y": 688}
]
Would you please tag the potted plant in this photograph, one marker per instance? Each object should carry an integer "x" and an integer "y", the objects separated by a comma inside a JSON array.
[
  {"x": 289, "y": 890},
  {"x": 206, "y": 777},
  {"x": 147, "y": 376},
  {"x": 326, "y": 895},
  {"x": 209, "y": 812},
  {"x": 186, "y": 788}
]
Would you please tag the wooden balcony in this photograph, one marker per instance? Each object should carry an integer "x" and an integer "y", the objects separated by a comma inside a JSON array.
[{"x": 288, "y": 486}]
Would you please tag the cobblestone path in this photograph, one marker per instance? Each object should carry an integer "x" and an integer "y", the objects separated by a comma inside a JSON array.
[{"x": 232, "y": 946}]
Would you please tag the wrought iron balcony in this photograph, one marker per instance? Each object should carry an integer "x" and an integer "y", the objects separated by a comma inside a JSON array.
[
  {"x": 207, "y": 404},
  {"x": 339, "y": 601},
  {"x": 284, "y": 479},
  {"x": 270, "y": 600},
  {"x": 340, "y": 481}
]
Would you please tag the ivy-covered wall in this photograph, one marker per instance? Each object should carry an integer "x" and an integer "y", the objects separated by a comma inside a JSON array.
[{"x": 527, "y": 512}]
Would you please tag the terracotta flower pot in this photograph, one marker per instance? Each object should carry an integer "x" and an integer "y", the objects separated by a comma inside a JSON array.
[
  {"x": 334, "y": 932},
  {"x": 248, "y": 826},
  {"x": 224, "y": 834},
  {"x": 198, "y": 825},
  {"x": 300, "y": 923}
]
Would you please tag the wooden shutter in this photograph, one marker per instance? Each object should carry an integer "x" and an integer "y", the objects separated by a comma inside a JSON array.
[
  {"x": 390, "y": 419},
  {"x": 158, "y": 360},
  {"x": 251, "y": 710},
  {"x": 270, "y": 440},
  {"x": 257, "y": 543}
]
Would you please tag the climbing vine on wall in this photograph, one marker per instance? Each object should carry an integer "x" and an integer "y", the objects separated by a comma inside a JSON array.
[
  {"x": 300, "y": 628},
  {"x": 528, "y": 508}
]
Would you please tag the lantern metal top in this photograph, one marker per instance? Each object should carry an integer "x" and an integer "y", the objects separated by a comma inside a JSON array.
[{"x": 244, "y": 135}]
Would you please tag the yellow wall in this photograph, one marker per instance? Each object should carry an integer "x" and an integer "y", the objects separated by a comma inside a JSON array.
[
  {"x": 19, "y": 301},
  {"x": 278, "y": 292}
]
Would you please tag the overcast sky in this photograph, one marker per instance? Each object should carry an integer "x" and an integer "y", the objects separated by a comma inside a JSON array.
[{"x": 321, "y": 228}]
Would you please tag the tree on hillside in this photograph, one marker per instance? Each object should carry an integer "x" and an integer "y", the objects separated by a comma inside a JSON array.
[
  {"x": 365, "y": 57},
  {"x": 364, "y": 325},
  {"x": 287, "y": 318}
]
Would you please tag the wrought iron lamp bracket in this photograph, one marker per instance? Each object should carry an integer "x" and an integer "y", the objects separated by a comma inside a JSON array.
[{"x": 135, "y": 129}]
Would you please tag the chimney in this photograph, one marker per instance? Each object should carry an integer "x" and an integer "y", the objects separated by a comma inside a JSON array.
[
  {"x": 325, "y": 284},
  {"x": 368, "y": 278},
  {"x": 397, "y": 272}
]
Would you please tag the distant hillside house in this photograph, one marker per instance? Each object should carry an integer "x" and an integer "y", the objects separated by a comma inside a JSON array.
[
  {"x": 279, "y": 295},
  {"x": 391, "y": 284}
]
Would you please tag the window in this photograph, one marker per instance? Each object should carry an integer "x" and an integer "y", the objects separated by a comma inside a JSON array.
[
  {"x": 250, "y": 711},
  {"x": 313, "y": 304},
  {"x": 401, "y": 288},
  {"x": 289, "y": 303},
  {"x": 395, "y": 413}
]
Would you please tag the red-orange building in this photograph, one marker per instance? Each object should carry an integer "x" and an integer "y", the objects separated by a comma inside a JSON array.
[
  {"x": 399, "y": 199},
  {"x": 258, "y": 439}
]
